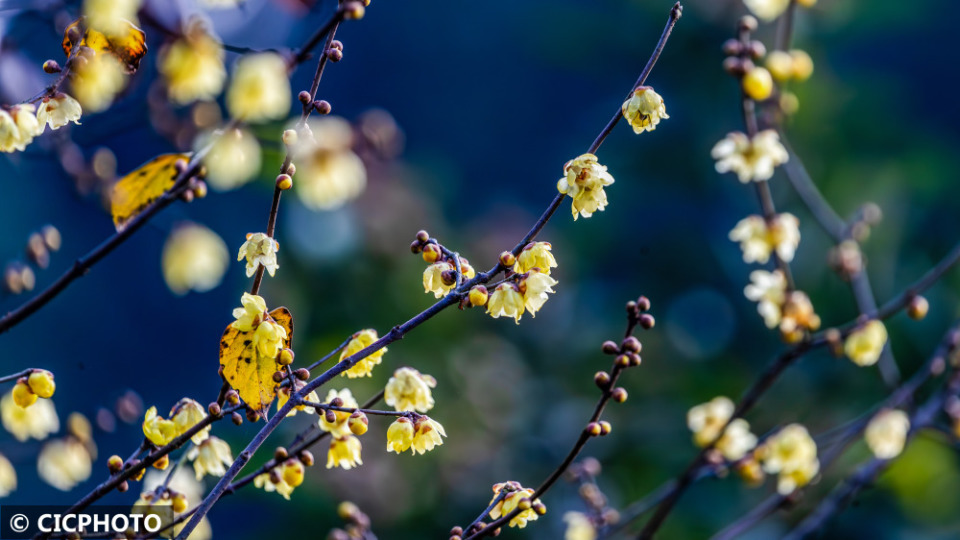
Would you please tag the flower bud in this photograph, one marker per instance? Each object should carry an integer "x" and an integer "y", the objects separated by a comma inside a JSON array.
[
  {"x": 609, "y": 347},
  {"x": 22, "y": 395},
  {"x": 236, "y": 418},
  {"x": 337, "y": 44},
  {"x": 758, "y": 84},
  {"x": 524, "y": 504},
  {"x": 200, "y": 189},
  {"x": 358, "y": 423},
  {"x": 304, "y": 97},
  {"x": 415, "y": 247},
  {"x": 233, "y": 397},
  {"x": 623, "y": 361},
  {"x": 635, "y": 359},
  {"x": 431, "y": 253},
  {"x": 602, "y": 379},
  {"x": 449, "y": 277},
  {"x": 278, "y": 376},
  {"x": 335, "y": 55},
  {"x": 162, "y": 463},
  {"x": 306, "y": 457},
  {"x": 605, "y": 427},
  {"x": 51, "y": 66},
  {"x": 593, "y": 429},
  {"x": 285, "y": 358},
  {"x": 293, "y": 472},
  {"x": 123, "y": 487},
  {"x": 302, "y": 374},
  {"x": 539, "y": 507},
  {"x": 253, "y": 415},
  {"x": 330, "y": 417},
  {"x": 748, "y": 23},
  {"x": 647, "y": 321},
  {"x": 422, "y": 236},
  {"x": 757, "y": 50},
  {"x": 917, "y": 309},
  {"x": 478, "y": 296},
  {"x": 179, "y": 503},
  {"x": 732, "y": 47},
  {"x": 619, "y": 394},
  {"x": 284, "y": 182},
  {"x": 115, "y": 464},
  {"x": 290, "y": 137},
  {"x": 632, "y": 344},
  {"x": 354, "y": 11},
  {"x": 41, "y": 383},
  {"x": 280, "y": 454},
  {"x": 322, "y": 106},
  {"x": 508, "y": 259}
]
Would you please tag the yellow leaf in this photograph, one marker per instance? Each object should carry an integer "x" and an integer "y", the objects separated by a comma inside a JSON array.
[
  {"x": 245, "y": 369},
  {"x": 132, "y": 193},
  {"x": 129, "y": 47}
]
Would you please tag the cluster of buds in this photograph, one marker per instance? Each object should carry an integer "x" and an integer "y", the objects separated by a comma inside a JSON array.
[
  {"x": 196, "y": 186},
  {"x": 442, "y": 274},
  {"x": 357, "y": 523},
  {"x": 599, "y": 513},
  {"x": 18, "y": 276},
  {"x": 39, "y": 383},
  {"x": 741, "y": 55}
]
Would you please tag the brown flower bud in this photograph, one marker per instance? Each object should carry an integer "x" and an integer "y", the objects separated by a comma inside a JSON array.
[
  {"x": 253, "y": 415},
  {"x": 236, "y": 418},
  {"x": 304, "y": 97},
  {"x": 322, "y": 106},
  {"x": 918, "y": 308},
  {"x": 647, "y": 321},
  {"x": 284, "y": 182},
  {"x": 632, "y": 344},
  {"x": 602, "y": 379},
  {"x": 609, "y": 347},
  {"x": 302, "y": 374},
  {"x": 334, "y": 55},
  {"x": 214, "y": 409},
  {"x": 115, "y": 464},
  {"x": 508, "y": 259},
  {"x": 643, "y": 303},
  {"x": 306, "y": 457},
  {"x": 619, "y": 394}
]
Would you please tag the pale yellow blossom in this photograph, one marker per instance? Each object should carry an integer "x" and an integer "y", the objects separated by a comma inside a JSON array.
[
  {"x": 110, "y": 16},
  {"x": 38, "y": 421},
  {"x": 507, "y": 301},
  {"x": 707, "y": 419},
  {"x": 769, "y": 290},
  {"x": 644, "y": 109},
  {"x": 211, "y": 457},
  {"x": 8, "y": 477},
  {"x": 329, "y": 173},
  {"x": 157, "y": 429},
  {"x": 409, "y": 390},
  {"x": 534, "y": 289},
  {"x": 59, "y": 110},
  {"x": 535, "y": 255},
  {"x": 400, "y": 435},
  {"x": 188, "y": 413},
  {"x": 736, "y": 440},
  {"x": 887, "y": 432},
  {"x": 584, "y": 179},
  {"x": 64, "y": 463},
  {"x": 97, "y": 80},
  {"x": 360, "y": 341},
  {"x": 579, "y": 527},
  {"x": 792, "y": 454},
  {"x": 339, "y": 427},
  {"x": 767, "y": 10},
  {"x": 433, "y": 279},
  {"x": 260, "y": 89},
  {"x": 233, "y": 158},
  {"x": 259, "y": 250},
  {"x": 509, "y": 502},
  {"x": 427, "y": 434},
  {"x": 193, "y": 65},
  {"x": 864, "y": 345},
  {"x": 753, "y": 159},
  {"x": 758, "y": 238},
  {"x": 344, "y": 453}
]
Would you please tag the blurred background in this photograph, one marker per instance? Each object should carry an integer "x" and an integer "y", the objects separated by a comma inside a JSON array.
[{"x": 476, "y": 107}]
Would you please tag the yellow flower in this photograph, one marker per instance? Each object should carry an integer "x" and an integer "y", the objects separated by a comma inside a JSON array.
[
  {"x": 329, "y": 173},
  {"x": 769, "y": 290},
  {"x": 259, "y": 250},
  {"x": 758, "y": 239},
  {"x": 579, "y": 527},
  {"x": 737, "y": 440},
  {"x": 268, "y": 336},
  {"x": 802, "y": 65},
  {"x": 780, "y": 65},
  {"x": 8, "y": 477},
  {"x": 194, "y": 258},
  {"x": 409, "y": 390},
  {"x": 584, "y": 179},
  {"x": 887, "y": 433},
  {"x": 251, "y": 312},
  {"x": 864, "y": 346},
  {"x": 510, "y": 501},
  {"x": 360, "y": 341},
  {"x": 38, "y": 421},
  {"x": 340, "y": 427},
  {"x": 344, "y": 453},
  {"x": 22, "y": 395},
  {"x": 707, "y": 419},
  {"x": 64, "y": 463},
  {"x": 792, "y": 454},
  {"x": 59, "y": 110},
  {"x": 292, "y": 472},
  {"x": 750, "y": 159},
  {"x": 426, "y": 435},
  {"x": 210, "y": 457},
  {"x": 767, "y": 10},
  {"x": 260, "y": 89},
  {"x": 273, "y": 481},
  {"x": 644, "y": 109},
  {"x": 97, "y": 80},
  {"x": 535, "y": 255},
  {"x": 400, "y": 435},
  {"x": 159, "y": 430},
  {"x": 506, "y": 300},
  {"x": 798, "y": 316},
  {"x": 758, "y": 84},
  {"x": 283, "y": 395},
  {"x": 193, "y": 65},
  {"x": 27, "y": 127},
  {"x": 433, "y": 279},
  {"x": 110, "y": 16},
  {"x": 233, "y": 158},
  {"x": 188, "y": 413},
  {"x": 9, "y": 134},
  {"x": 534, "y": 288}
]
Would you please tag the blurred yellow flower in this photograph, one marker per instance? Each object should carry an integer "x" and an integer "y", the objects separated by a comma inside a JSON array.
[
  {"x": 887, "y": 432},
  {"x": 409, "y": 390},
  {"x": 707, "y": 419},
  {"x": 233, "y": 158},
  {"x": 360, "y": 341},
  {"x": 273, "y": 481},
  {"x": 757, "y": 83},
  {"x": 535, "y": 255},
  {"x": 329, "y": 173},
  {"x": 188, "y": 413},
  {"x": 753, "y": 159},
  {"x": 579, "y": 527},
  {"x": 792, "y": 454},
  {"x": 259, "y": 250},
  {"x": 344, "y": 453},
  {"x": 292, "y": 472},
  {"x": 339, "y": 428},
  {"x": 797, "y": 316},
  {"x": 767, "y": 10},
  {"x": 9, "y": 134},
  {"x": 22, "y": 395},
  {"x": 769, "y": 290},
  {"x": 210, "y": 457},
  {"x": 644, "y": 109},
  {"x": 8, "y": 477},
  {"x": 736, "y": 440},
  {"x": 584, "y": 179},
  {"x": 758, "y": 239},
  {"x": 38, "y": 421},
  {"x": 400, "y": 435},
  {"x": 194, "y": 258},
  {"x": 864, "y": 345},
  {"x": 64, "y": 463},
  {"x": 26, "y": 125},
  {"x": 427, "y": 435},
  {"x": 41, "y": 383},
  {"x": 780, "y": 65},
  {"x": 268, "y": 336},
  {"x": 260, "y": 89},
  {"x": 97, "y": 80},
  {"x": 802, "y": 65},
  {"x": 193, "y": 65},
  {"x": 59, "y": 110},
  {"x": 110, "y": 16},
  {"x": 507, "y": 301}
]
